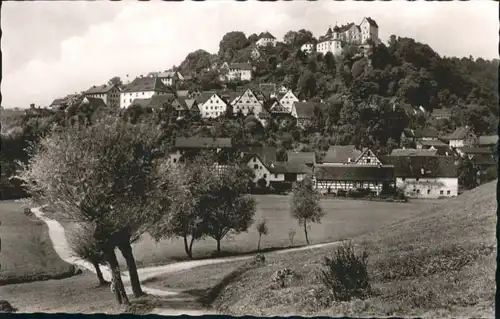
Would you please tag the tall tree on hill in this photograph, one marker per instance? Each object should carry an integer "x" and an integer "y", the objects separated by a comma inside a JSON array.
[
  {"x": 116, "y": 80},
  {"x": 107, "y": 175},
  {"x": 305, "y": 204}
]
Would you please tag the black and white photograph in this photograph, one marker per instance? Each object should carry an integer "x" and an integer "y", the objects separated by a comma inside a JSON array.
[{"x": 249, "y": 158}]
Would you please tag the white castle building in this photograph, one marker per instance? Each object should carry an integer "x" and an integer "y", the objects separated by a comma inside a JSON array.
[{"x": 365, "y": 35}]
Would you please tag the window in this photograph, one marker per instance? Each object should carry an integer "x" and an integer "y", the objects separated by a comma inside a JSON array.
[
  {"x": 368, "y": 161},
  {"x": 417, "y": 179},
  {"x": 175, "y": 160},
  {"x": 448, "y": 192},
  {"x": 441, "y": 192},
  {"x": 428, "y": 191},
  {"x": 265, "y": 175},
  {"x": 254, "y": 160},
  {"x": 275, "y": 175},
  {"x": 256, "y": 166},
  {"x": 418, "y": 191},
  {"x": 261, "y": 167}
]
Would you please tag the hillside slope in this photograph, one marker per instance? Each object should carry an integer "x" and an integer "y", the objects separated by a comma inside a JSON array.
[{"x": 440, "y": 263}]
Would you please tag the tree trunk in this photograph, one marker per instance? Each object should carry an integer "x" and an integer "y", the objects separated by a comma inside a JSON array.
[
  {"x": 126, "y": 250},
  {"x": 191, "y": 246},
  {"x": 218, "y": 246},
  {"x": 120, "y": 294},
  {"x": 99, "y": 274},
  {"x": 188, "y": 248},
  {"x": 305, "y": 231},
  {"x": 258, "y": 245}
]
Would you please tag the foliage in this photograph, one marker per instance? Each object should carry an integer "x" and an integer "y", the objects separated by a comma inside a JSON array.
[
  {"x": 262, "y": 230},
  {"x": 346, "y": 274},
  {"x": 467, "y": 174},
  {"x": 305, "y": 204}
]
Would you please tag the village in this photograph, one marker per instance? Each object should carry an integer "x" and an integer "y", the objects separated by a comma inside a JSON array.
[{"x": 283, "y": 166}]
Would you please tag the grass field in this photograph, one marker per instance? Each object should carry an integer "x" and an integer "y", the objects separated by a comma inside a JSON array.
[
  {"x": 344, "y": 219},
  {"x": 435, "y": 263},
  {"x": 27, "y": 253}
]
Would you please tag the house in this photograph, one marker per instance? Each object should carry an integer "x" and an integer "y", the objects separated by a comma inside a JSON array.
[
  {"x": 331, "y": 179},
  {"x": 288, "y": 99},
  {"x": 463, "y": 136},
  {"x": 470, "y": 152},
  {"x": 367, "y": 157},
  {"x": 305, "y": 158},
  {"x": 304, "y": 111},
  {"x": 425, "y": 176},
  {"x": 266, "y": 153},
  {"x": 265, "y": 39},
  {"x": 59, "y": 103},
  {"x": 143, "y": 88},
  {"x": 487, "y": 141},
  {"x": 110, "y": 94},
  {"x": 307, "y": 48},
  {"x": 405, "y": 152},
  {"x": 268, "y": 90},
  {"x": 180, "y": 107},
  {"x": 483, "y": 162},
  {"x": 255, "y": 53},
  {"x": 211, "y": 104},
  {"x": 183, "y": 93},
  {"x": 409, "y": 137},
  {"x": 247, "y": 103},
  {"x": 169, "y": 78},
  {"x": 283, "y": 89},
  {"x": 341, "y": 154},
  {"x": 237, "y": 72},
  {"x": 188, "y": 147},
  {"x": 192, "y": 106},
  {"x": 440, "y": 114},
  {"x": 425, "y": 144},
  {"x": 369, "y": 31}
]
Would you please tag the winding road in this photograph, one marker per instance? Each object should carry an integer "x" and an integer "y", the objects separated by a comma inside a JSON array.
[{"x": 62, "y": 248}]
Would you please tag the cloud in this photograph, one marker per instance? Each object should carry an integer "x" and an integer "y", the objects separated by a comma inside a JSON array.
[{"x": 138, "y": 37}]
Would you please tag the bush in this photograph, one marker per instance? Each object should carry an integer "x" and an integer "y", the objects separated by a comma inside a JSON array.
[
  {"x": 346, "y": 274},
  {"x": 5, "y": 306}
]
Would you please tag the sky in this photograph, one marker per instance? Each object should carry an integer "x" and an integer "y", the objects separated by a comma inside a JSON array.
[{"x": 51, "y": 49}]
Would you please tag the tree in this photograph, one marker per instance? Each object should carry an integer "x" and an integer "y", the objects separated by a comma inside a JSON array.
[
  {"x": 467, "y": 174},
  {"x": 262, "y": 229},
  {"x": 195, "y": 179},
  {"x": 84, "y": 245},
  {"x": 116, "y": 80},
  {"x": 229, "y": 210},
  {"x": 305, "y": 204},
  {"x": 104, "y": 174},
  {"x": 234, "y": 40}
]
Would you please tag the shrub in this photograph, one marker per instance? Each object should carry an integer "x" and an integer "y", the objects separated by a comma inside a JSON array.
[
  {"x": 5, "y": 306},
  {"x": 346, "y": 274}
]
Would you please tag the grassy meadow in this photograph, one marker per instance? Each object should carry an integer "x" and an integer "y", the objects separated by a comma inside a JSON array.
[
  {"x": 27, "y": 253},
  {"x": 435, "y": 263},
  {"x": 343, "y": 219}
]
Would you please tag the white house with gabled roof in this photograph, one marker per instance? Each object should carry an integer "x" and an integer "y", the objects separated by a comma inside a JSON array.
[
  {"x": 265, "y": 39},
  {"x": 288, "y": 99}
]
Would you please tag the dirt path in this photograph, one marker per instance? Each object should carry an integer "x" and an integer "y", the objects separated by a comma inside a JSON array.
[{"x": 58, "y": 237}]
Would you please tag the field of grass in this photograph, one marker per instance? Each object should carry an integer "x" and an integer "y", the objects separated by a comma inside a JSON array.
[
  {"x": 344, "y": 219},
  {"x": 27, "y": 253},
  {"x": 435, "y": 263}
]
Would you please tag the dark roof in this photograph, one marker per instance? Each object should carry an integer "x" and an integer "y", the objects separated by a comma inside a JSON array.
[
  {"x": 191, "y": 104},
  {"x": 301, "y": 157},
  {"x": 167, "y": 74},
  {"x": 306, "y": 109},
  {"x": 267, "y": 154},
  {"x": 204, "y": 96},
  {"x": 413, "y": 152},
  {"x": 422, "y": 166},
  {"x": 156, "y": 101},
  {"x": 372, "y": 22},
  {"x": 267, "y": 87},
  {"x": 341, "y": 154},
  {"x": 483, "y": 160},
  {"x": 93, "y": 102},
  {"x": 430, "y": 143},
  {"x": 266, "y": 35},
  {"x": 146, "y": 84},
  {"x": 183, "y": 93},
  {"x": 355, "y": 173},
  {"x": 240, "y": 66},
  {"x": 278, "y": 108},
  {"x": 179, "y": 104},
  {"x": 488, "y": 140},
  {"x": 202, "y": 142},
  {"x": 459, "y": 134},
  {"x": 58, "y": 102},
  {"x": 105, "y": 88},
  {"x": 346, "y": 27},
  {"x": 289, "y": 168},
  {"x": 441, "y": 113},
  {"x": 475, "y": 150},
  {"x": 329, "y": 31}
]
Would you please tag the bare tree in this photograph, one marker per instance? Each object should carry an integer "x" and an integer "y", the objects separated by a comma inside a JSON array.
[
  {"x": 305, "y": 204},
  {"x": 105, "y": 174},
  {"x": 262, "y": 229}
]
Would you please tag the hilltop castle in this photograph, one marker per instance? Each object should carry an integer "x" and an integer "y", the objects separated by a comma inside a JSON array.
[{"x": 365, "y": 35}]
